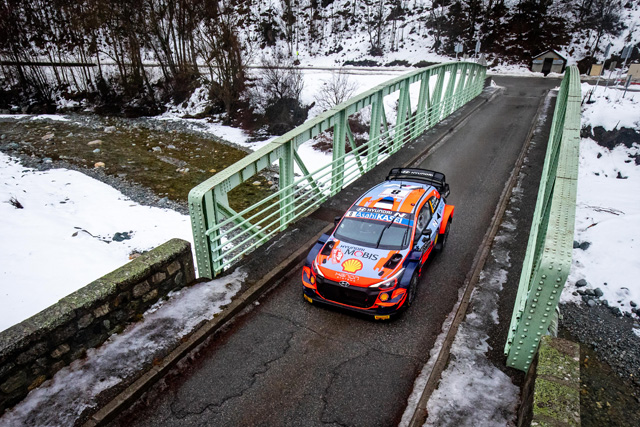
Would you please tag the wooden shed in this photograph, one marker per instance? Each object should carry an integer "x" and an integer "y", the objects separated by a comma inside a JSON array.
[{"x": 547, "y": 62}]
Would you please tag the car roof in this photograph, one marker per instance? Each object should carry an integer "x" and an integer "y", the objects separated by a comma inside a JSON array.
[{"x": 395, "y": 196}]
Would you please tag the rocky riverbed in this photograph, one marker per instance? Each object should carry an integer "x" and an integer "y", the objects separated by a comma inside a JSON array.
[
  {"x": 609, "y": 365},
  {"x": 601, "y": 310},
  {"x": 154, "y": 162}
]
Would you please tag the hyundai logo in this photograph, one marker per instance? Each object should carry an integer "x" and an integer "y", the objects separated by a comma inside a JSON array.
[{"x": 344, "y": 284}]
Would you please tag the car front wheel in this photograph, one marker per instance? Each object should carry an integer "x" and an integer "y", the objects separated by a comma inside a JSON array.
[{"x": 413, "y": 289}]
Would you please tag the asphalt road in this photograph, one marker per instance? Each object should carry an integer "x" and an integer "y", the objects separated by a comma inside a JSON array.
[{"x": 287, "y": 362}]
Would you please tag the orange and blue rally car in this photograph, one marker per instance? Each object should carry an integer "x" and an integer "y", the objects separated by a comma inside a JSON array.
[{"x": 373, "y": 259}]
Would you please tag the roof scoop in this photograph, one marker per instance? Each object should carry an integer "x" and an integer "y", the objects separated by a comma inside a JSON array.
[{"x": 385, "y": 203}]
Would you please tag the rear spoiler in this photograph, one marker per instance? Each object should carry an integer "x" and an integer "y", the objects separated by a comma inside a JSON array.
[{"x": 437, "y": 179}]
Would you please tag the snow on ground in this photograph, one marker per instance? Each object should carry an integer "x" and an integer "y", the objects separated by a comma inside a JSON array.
[
  {"x": 123, "y": 355},
  {"x": 610, "y": 110},
  {"x": 61, "y": 240},
  {"x": 53, "y": 117},
  {"x": 422, "y": 379},
  {"x": 608, "y": 206}
]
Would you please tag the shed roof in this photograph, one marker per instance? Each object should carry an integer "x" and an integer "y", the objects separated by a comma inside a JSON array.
[{"x": 550, "y": 50}]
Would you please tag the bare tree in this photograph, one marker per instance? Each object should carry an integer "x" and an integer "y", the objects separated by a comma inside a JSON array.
[
  {"x": 276, "y": 95},
  {"x": 278, "y": 80},
  {"x": 336, "y": 90},
  {"x": 225, "y": 54},
  {"x": 376, "y": 25}
]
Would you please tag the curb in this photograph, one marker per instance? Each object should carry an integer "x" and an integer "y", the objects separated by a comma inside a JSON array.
[{"x": 127, "y": 397}]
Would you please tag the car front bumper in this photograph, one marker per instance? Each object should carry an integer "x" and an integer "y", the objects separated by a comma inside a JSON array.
[{"x": 390, "y": 307}]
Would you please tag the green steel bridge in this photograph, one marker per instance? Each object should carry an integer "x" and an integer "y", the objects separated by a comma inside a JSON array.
[{"x": 396, "y": 113}]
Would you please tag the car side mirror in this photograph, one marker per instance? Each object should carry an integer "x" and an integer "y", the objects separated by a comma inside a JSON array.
[
  {"x": 336, "y": 220},
  {"x": 445, "y": 191}
]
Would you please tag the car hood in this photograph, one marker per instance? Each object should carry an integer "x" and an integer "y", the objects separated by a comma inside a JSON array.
[{"x": 358, "y": 265}]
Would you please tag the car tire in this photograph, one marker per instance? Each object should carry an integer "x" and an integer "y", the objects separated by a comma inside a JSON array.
[
  {"x": 413, "y": 290},
  {"x": 442, "y": 238}
]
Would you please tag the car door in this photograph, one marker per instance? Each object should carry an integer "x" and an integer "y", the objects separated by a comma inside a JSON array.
[
  {"x": 436, "y": 207},
  {"x": 424, "y": 232}
]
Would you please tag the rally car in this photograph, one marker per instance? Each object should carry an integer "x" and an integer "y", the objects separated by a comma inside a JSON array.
[{"x": 372, "y": 260}]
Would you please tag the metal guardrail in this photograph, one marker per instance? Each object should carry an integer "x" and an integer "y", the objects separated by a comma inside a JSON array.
[
  {"x": 548, "y": 257},
  {"x": 222, "y": 236}
]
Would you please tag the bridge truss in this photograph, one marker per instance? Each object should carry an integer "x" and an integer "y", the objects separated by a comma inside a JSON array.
[
  {"x": 548, "y": 257},
  {"x": 419, "y": 100}
]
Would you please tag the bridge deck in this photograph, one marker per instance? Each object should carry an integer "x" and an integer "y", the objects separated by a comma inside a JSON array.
[{"x": 289, "y": 363}]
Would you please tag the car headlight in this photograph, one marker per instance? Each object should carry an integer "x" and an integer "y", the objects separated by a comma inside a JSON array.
[
  {"x": 315, "y": 268},
  {"x": 390, "y": 282}
]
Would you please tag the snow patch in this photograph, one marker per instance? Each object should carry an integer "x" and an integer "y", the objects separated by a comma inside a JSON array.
[
  {"x": 425, "y": 373},
  {"x": 608, "y": 207},
  {"x": 66, "y": 229},
  {"x": 610, "y": 110},
  {"x": 53, "y": 117}
]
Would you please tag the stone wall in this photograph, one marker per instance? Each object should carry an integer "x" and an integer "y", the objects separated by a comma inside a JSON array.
[
  {"x": 551, "y": 395},
  {"x": 35, "y": 349}
]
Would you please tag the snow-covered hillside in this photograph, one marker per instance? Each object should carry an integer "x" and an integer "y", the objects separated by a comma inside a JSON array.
[{"x": 347, "y": 31}]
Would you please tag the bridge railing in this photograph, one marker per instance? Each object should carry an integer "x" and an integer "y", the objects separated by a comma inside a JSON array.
[
  {"x": 548, "y": 257},
  {"x": 222, "y": 236}
]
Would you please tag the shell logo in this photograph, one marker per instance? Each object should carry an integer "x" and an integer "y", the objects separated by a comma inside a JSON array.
[{"x": 352, "y": 265}]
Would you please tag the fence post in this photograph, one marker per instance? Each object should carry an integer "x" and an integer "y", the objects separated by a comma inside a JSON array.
[
  {"x": 460, "y": 87},
  {"x": 377, "y": 111},
  {"x": 404, "y": 107},
  {"x": 203, "y": 216},
  {"x": 436, "y": 98},
  {"x": 339, "y": 137},
  {"x": 423, "y": 100},
  {"x": 286, "y": 185}
]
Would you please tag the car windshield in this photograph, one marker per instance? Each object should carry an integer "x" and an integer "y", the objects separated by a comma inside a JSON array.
[{"x": 373, "y": 234}]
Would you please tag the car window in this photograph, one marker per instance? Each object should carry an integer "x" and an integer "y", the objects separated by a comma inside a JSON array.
[
  {"x": 423, "y": 217},
  {"x": 433, "y": 203},
  {"x": 373, "y": 234}
]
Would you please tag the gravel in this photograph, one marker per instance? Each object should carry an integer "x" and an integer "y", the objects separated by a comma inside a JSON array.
[
  {"x": 93, "y": 121},
  {"x": 609, "y": 335}
]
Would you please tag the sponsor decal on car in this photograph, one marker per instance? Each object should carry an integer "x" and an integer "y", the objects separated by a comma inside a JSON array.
[
  {"x": 352, "y": 265},
  {"x": 379, "y": 211},
  {"x": 428, "y": 174},
  {"x": 359, "y": 252},
  {"x": 349, "y": 277},
  {"x": 396, "y": 218},
  {"x": 336, "y": 256}
]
